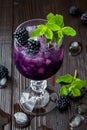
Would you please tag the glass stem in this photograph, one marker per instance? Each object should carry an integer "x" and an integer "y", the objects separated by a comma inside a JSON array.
[{"x": 38, "y": 86}]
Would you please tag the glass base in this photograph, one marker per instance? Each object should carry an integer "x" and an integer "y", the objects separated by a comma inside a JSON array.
[{"x": 35, "y": 103}]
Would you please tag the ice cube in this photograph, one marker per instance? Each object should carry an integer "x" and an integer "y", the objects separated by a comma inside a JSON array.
[
  {"x": 30, "y": 28},
  {"x": 82, "y": 108},
  {"x": 24, "y": 97},
  {"x": 21, "y": 118},
  {"x": 30, "y": 104},
  {"x": 76, "y": 121}
]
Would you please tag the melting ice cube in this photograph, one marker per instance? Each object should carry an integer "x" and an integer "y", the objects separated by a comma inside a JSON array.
[
  {"x": 30, "y": 28},
  {"x": 76, "y": 121},
  {"x": 30, "y": 104},
  {"x": 82, "y": 108},
  {"x": 21, "y": 118}
]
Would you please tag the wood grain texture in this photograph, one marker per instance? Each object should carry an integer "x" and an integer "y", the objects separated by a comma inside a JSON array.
[
  {"x": 13, "y": 13},
  {"x": 6, "y": 54}
]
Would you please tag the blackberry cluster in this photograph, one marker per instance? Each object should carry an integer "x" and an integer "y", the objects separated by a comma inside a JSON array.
[
  {"x": 3, "y": 72},
  {"x": 22, "y": 36},
  {"x": 33, "y": 47},
  {"x": 84, "y": 18},
  {"x": 73, "y": 10},
  {"x": 63, "y": 103}
]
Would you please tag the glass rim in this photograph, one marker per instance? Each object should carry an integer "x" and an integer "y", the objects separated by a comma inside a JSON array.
[{"x": 37, "y": 19}]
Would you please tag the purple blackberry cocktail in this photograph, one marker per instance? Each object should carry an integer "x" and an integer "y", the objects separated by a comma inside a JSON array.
[
  {"x": 42, "y": 65},
  {"x": 37, "y": 60}
]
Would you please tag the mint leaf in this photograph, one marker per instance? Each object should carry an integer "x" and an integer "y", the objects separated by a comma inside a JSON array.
[
  {"x": 53, "y": 26},
  {"x": 69, "y": 31},
  {"x": 64, "y": 90},
  {"x": 49, "y": 34},
  {"x": 57, "y": 41},
  {"x": 59, "y": 20},
  {"x": 48, "y": 41},
  {"x": 36, "y": 32},
  {"x": 60, "y": 34},
  {"x": 42, "y": 28},
  {"x": 65, "y": 79},
  {"x": 55, "y": 38},
  {"x": 74, "y": 84},
  {"x": 53, "y": 29},
  {"x": 43, "y": 31},
  {"x": 76, "y": 92},
  {"x": 51, "y": 18},
  {"x": 79, "y": 84}
]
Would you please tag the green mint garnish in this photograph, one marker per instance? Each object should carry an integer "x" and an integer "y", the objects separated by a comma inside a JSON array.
[
  {"x": 65, "y": 79},
  {"x": 53, "y": 29},
  {"x": 71, "y": 85}
]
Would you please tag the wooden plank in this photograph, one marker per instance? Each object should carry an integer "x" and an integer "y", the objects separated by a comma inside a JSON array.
[
  {"x": 6, "y": 18},
  {"x": 6, "y": 54},
  {"x": 5, "y": 93}
]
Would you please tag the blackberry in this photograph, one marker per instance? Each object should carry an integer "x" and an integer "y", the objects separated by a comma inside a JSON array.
[
  {"x": 73, "y": 10},
  {"x": 33, "y": 47},
  {"x": 63, "y": 103},
  {"x": 3, "y": 72},
  {"x": 22, "y": 36},
  {"x": 84, "y": 18}
]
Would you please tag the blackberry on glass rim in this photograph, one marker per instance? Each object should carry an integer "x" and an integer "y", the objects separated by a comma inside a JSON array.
[
  {"x": 22, "y": 36},
  {"x": 33, "y": 46}
]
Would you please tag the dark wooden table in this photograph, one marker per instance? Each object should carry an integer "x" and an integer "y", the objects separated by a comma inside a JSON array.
[{"x": 14, "y": 12}]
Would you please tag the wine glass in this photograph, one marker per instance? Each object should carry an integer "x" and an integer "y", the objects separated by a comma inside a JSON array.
[{"x": 38, "y": 66}]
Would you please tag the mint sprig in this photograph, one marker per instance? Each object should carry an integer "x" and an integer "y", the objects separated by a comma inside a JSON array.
[
  {"x": 53, "y": 29},
  {"x": 71, "y": 84}
]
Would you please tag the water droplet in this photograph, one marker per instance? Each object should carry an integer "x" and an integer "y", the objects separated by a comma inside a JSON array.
[
  {"x": 75, "y": 48},
  {"x": 76, "y": 121},
  {"x": 82, "y": 108}
]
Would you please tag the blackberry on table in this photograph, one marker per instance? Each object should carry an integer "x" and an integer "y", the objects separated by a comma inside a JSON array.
[
  {"x": 3, "y": 72},
  {"x": 22, "y": 36},
  {"x": 33, "y": 47},
  {"x": 84, "y": 18},
  {"x": 63, "y": 103},
  {"x": 73, "y": 10}
]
